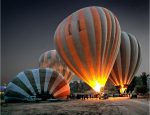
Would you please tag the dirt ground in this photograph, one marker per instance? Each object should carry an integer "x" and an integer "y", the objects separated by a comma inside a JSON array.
[{"x": 111, "y": 106}]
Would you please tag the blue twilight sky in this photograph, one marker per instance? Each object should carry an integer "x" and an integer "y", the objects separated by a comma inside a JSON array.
[{"x": 28, "y": 27}]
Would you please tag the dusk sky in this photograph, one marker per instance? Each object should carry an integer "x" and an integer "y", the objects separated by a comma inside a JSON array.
[{"x": 28, "y": 26}]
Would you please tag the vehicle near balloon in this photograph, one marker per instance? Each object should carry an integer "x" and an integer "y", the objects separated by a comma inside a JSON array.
[
  {"x": 51, "y": 59},
  {"x": 35, "y": 85},
  {"x": 88, "y": 42},
  {"x": 127, "y": 62}
]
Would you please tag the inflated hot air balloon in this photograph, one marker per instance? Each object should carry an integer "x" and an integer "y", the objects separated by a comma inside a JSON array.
[
  {"x": 127, "y": 62},
  {"x": 51, "y": 59},
  {"x": 41, "y": 83},
  {"x": 88, "y": 42}
]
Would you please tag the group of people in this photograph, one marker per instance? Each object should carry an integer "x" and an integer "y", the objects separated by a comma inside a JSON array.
[{"x": 84, "y": 96}]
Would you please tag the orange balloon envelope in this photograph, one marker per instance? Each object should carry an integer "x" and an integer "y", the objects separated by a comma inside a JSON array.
[
  {"x": 88, "y": 41},
  {"x": 50, "y": 59},
  {"x": 127, "y": 62}
]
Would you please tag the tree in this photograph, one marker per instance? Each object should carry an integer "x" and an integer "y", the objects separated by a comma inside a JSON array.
[
  {"x": 144, "y": 77},
  {"x": 141, "y": 89},
  {"x": 132, "y": 84}
]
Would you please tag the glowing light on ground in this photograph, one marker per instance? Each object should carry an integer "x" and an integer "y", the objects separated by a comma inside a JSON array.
[
  {"x": 122, "y": 89},
  {"x": 97, "y": 87}
]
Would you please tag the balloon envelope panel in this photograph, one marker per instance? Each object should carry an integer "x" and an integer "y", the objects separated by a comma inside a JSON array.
[
  {"x": 88, "y": 42},
  {"x": 127, "y": 62},
  {"x": 51, "y": 59},
  {"x": 39, "y": 83}
]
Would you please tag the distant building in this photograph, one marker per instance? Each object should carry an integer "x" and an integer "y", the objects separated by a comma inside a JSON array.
[{"x": 2, "y": 89}]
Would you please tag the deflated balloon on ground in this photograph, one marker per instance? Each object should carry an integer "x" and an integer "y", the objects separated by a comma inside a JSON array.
[{"x": 41, "y": 83}]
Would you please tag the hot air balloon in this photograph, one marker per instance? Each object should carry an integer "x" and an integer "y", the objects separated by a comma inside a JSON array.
[
  {"x": 88, "y": 41},
  {"x": 41, "y": 83},
  {"x": 51, "y": 59},
  {"x": 127, "y": 62}
]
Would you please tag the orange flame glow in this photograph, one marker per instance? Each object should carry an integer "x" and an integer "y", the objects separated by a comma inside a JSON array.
[
  {"x": 122, "y": 89},
  {"x": 96, "y": 85}
]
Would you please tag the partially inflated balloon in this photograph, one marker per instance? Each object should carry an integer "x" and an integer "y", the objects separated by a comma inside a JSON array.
[
  {"x": 88, "y": 42},
  {"x": 127, "y": 62},
  {"x": 42, "y": 83},
  {"x": 51, "y": 59}
]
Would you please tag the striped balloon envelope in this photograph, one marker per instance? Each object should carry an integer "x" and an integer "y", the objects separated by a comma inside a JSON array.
[
  {"x": 127, "y": 62},
  {"x": 50, "y": 59},
  {"x": 40, "y": 83},
  {"x": 88, "y": 42}
]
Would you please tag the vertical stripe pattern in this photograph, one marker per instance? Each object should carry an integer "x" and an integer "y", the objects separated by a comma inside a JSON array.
[
  {"x": 88, "y": 42},
  {"x": 127, "y": 62},
  {"x": 41, "y": 82},
  {"x": 51, "y": 59}
]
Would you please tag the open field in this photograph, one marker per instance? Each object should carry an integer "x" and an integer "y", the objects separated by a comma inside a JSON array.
[{"x": 111, "y": 106}]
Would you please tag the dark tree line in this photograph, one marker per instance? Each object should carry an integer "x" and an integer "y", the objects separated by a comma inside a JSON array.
[
  {"x": 140, "y": 84},
  {"x": 79, "y": 87}
]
